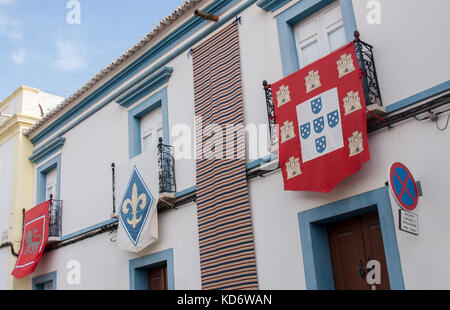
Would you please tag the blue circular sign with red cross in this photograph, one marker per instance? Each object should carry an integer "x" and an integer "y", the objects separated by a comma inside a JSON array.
[{"x": 403, "y": 186}]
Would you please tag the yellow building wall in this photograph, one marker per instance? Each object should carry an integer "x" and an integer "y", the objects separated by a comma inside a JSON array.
[
  {"x": 21, "y": 191},
  {"x": 23, "y": 105}
]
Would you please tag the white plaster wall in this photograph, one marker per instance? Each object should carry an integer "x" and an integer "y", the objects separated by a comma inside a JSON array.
[
  {"x": 86, "y": 178},
  {"x": 410, "y": 46},
  {"x": 260, "y": 60},
  {"x": 180, "y": 96},
  {"x": 105, "y": 266},
  {"x": 423, "y": 257}
]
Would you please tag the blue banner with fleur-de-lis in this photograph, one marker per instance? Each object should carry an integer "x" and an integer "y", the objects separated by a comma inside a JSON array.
[
  {"x": 137, "y": 182},
  {"x": 135, "y": 206}
]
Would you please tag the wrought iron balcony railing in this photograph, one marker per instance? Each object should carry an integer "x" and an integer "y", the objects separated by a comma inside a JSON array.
[
  {"x": 166, "y": 164},
  {"x": 273, "y": 135},
  {"x": 370, "y": 83},
  {"x": 366, "y": 61},
  {"x": 55, "y": 211}
]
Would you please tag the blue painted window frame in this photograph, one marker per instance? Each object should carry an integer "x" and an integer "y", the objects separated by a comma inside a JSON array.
[
  {"x": 314, "y": 237},
  {"x": 42, "y": 171},
  {"x": 37, "y": 283},
  {"x": 298, "y": 12},
  {"x": 137, "y": 113},
  {"x": 139, "y": 269}
]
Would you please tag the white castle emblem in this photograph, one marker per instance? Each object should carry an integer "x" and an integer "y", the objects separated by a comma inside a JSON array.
[
  {"x": 345, "y": 65},
  {"x": 355, "y": 143},
  {"x": 352, "y": 102},
  {"x": 293, "y": 168},
  {"x": 283, "y": 95},
  {"x": 287, "y": 131},
  {"x": 312, "y": 81}
]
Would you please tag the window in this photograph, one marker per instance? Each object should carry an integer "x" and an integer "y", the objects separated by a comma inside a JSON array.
[
  {"x": 44, "y": 282},
  {"x": 51, "y": 183},
  {"x": 48, "y": 180},
  {"x": 151, "y": 127},
  {"x": 308, "y": 30},
  {"x": 319, "y": 34},
  {"x": 147, "y": 122}
]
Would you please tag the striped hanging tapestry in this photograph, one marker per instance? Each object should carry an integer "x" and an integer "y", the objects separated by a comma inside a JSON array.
[{"x": 227, "y": 254}]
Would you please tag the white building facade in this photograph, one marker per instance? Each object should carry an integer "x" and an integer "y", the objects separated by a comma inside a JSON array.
[{"x": 148, "y": 93}]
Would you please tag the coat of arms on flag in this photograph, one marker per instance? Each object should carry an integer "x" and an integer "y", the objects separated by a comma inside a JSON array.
[
  {"x": 321, "y": 114},
  {"x": 138, "y": 180},
  {"x": 34, "y": 239}
]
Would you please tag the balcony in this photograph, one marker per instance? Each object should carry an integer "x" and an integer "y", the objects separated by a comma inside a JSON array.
[
  {"x": 55, "y": 227},
  {"x": 371, "y": 87},
  {"x": 167, "y": 184},
  {"x": 166, "y": 165}
]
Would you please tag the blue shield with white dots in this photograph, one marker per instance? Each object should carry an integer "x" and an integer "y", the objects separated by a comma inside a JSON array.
[
  {"x": 333, "y": 118},
  {"x": 321, "y": 144},
  {"x": 305, "y": 130},
  {"x": 319, "y": 124},
  {"x": 316, "y": 105}
]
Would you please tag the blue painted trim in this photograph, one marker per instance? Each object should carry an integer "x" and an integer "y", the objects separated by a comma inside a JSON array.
[
  {"x": 145, "y": 87},
  {"x": 139, "y": 268},
  {"x": 260, "y": 161},
  {"x": 134, "y": 120},
  {"x": 88, "y": 229},
  {"x": 271, "y": 5},
  {"x": 314, "y": 239},
  {"x": 251, "y": 165},
  {"x": 41, "y": 187},
  {"x": 296, "y": 13},
  {"x": 433, "y": 91},
  {"x": 348, "y": 17},
  {"x": 159, "y": 50},
  {"x": 186, "y": 192},
  {"x": 47, "y": 150},
  {"x": 37, "y": 283}
]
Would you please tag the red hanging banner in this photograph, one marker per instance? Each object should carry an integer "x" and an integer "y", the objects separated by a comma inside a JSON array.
[
  {"x": 34, "y": 239},
  {"x": 321, "y": 115}
]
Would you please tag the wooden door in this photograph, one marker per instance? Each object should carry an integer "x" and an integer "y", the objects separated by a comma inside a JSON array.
[
  {"x": 157, "y": 278},
  {"x": 353, "y": 243}
]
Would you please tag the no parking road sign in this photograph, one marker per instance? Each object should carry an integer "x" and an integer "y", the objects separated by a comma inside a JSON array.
[{"x": 403, "y": 186}]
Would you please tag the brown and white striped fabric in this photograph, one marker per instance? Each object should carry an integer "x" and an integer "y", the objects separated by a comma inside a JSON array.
[{"x": 227, "y": 254}]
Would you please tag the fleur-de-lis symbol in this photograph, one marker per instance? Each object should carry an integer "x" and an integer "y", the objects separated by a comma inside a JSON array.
[{"x": 134, "y": 204}]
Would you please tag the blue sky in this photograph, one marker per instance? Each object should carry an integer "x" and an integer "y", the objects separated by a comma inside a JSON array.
[{"x": 38, "y": 48}]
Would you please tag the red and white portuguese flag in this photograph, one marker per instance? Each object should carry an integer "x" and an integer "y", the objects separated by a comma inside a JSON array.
[
  {"x": 321, "y": 114},
  {"x": 34, "y": 239}
]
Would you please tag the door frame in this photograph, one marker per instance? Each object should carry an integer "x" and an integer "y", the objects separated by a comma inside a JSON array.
[
  {"x": 38, "y": 282},
  {"x": 314, "y": 237},
  {"x": 139, "y": 266}
]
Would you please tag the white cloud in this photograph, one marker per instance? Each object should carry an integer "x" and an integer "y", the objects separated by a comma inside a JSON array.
[
  {"x": 14, "y": 34},
  {"x": 19, "y": 56},
  {"x": 7, "y": 21},
  {"x": 7, "y": 2},
  {"x": 71, "y": 55},
  {"x": 10, "y": 28}
]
